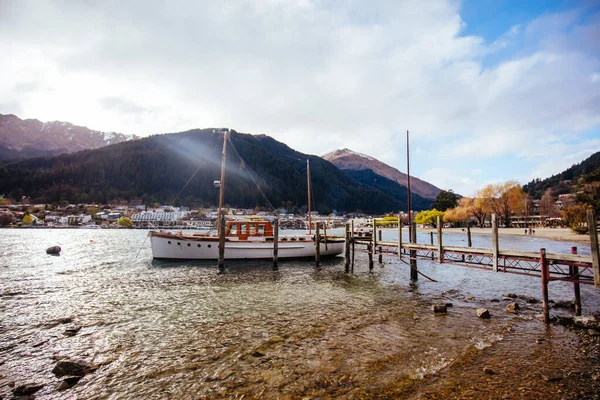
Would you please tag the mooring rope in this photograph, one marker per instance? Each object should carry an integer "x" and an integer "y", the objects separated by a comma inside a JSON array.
[{"x": 247, "y": 170}]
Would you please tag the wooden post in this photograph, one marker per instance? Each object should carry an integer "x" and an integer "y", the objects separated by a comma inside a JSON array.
[
  {"x": 380, "y": 249},
  {"x": 591, "y": 220},
  {"x": 469, "y": 243},
  {"x": 374, "y": 235},
  {"x": 317, "y": 243},
  {"x": 574, "y": 272},
  {"x": 275, "y": 242},
  {"x": 431, "y": 241},
  {"x": 222, "y": 242},
  {"x": 544, "y": 270},
  {"x": 414, "y": 275},
  {"x": 370, "y": 251},
  {"x": 352, "y": 233},
  {"x": 347, "y": 249},
  {"x": 440, "y": 249},
  {"x": 495, "y": 249},
  {"x": 325, "y": 234},
  {"x": 399, "y": 236}
]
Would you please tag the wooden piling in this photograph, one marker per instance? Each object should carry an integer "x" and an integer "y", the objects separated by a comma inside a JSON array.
[
  {"x": 574, "y": 272},
  {"x": 275, "y": 242},
  {"x": 431, "y": 241},
  {"x": 439, "y": 234},
  {"x": 414, "y": 275},
  {"x": 495, "y": 249},
  {"x": 469, "y": 243},
  {"x": 352, "y": 233},
  {"x": 347, "y": 249},
  {"x": 545, "y": 273},
  {"x": 221, "y": 261},
  {"x": 317, "y": 244},
  {"x": 593, "y": 228},
  {"x": 399, "y": 236},
  {"x": 370, "y": 251}
]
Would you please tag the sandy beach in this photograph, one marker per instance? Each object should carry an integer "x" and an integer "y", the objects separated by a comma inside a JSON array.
[{"x": 548, "y": 233}]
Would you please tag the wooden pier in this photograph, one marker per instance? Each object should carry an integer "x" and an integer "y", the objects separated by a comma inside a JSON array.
[{"x": 574, "y": 268}]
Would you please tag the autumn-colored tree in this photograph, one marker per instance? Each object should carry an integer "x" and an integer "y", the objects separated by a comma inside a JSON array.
[
  {"x": 460, "y": 213},
  {"x": 429, "y": 217},
  {"x": 27, "y": 219},
  {"x": 480, "y": 209},
  {"x": 576, "y": 218},
  {"x": 124, "y": 221},
  {"x": 503, "y": 199}
]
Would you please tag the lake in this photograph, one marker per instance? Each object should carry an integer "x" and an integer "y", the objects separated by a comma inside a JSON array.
[{"x": 181, "y": 330}]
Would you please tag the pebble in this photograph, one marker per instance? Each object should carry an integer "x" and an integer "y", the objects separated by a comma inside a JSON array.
[
  {"x": 439, "y": 309},
  {"x": 483, "y": 313}
]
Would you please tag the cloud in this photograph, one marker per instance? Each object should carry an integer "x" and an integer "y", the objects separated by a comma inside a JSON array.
[{"x": 316, "y": 75}]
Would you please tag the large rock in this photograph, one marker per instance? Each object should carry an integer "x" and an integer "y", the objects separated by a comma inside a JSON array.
[
  {"x": 483, "y": 313},
  {"x": 53, "y": 250},
  {"x": 73, "y": 368},
  {"x": 586, "y": 321},
  {"x": 26, "y": 389}
]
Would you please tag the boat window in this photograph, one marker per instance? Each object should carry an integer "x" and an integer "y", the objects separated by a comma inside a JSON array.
[
  {"x": 233, "y": 229},
  {"x": 261, "y": 230},
  {"x": 243, "y": 229}
]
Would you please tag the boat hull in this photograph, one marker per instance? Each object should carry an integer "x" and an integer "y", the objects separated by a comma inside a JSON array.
[{"x": 184, "y": 247}]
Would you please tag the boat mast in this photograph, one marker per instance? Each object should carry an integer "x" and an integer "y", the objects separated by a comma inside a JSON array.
[
  {"x": 408, "y": 182},
  {"x": 308, "y": 182},
  {"x": 221, "y": 213}
]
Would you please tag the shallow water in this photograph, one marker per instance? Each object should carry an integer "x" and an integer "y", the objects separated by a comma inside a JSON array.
[{"x": 181, "y": 330}]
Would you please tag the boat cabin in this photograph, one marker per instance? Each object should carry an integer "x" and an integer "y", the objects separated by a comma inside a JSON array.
[{"x": 245, "y": 229}]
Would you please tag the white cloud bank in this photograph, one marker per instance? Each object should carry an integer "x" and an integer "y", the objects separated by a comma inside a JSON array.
[{"x": 316, "y": 75}]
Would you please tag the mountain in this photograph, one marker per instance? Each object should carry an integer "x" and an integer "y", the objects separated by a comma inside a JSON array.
[
  {"x": 32, "y": 138},
  {"x": 392, "y": 188},
  {"x": 347, "y": 159},
  {"x": 156, "y": 169},
  {"x": 562, "y": 183}
]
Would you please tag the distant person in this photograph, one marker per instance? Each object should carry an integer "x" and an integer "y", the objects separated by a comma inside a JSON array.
[
  {"x": 530, "y": 231},
  {"x": 526, "y": 231}
]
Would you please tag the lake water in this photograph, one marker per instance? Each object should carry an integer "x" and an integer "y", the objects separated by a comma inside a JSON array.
[{"x": 181, "y": 330}]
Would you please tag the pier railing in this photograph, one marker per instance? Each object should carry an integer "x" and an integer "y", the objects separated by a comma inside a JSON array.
[{"x": 574, "y": 268}]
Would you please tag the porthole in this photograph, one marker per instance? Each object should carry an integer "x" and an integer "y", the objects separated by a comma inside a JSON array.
[
  {"x": 189, "y": 245},
  {"x": 178, "y": 243},
  {"x": 209, "y": 246},
  {"x": 169, "y": 242},
  {"x": 198, "y": 245}
]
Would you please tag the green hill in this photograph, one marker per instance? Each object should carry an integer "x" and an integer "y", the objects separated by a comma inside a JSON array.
[
  {"x": 156, "y": 168},
  {"x": 588, "y": 170}
]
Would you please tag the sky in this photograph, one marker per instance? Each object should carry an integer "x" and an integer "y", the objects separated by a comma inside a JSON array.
[{"x": 490, "y": 90}]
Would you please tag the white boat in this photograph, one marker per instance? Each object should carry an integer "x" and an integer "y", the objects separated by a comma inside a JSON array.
[
  {"x": 240, "y": 240},
  {"x": 243, "y": 240}
]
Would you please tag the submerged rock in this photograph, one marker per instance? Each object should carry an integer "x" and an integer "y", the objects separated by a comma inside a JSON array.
[
  {"x": 53, "y": 250},
  {"x": 586, "y": 321},
  {"x": 512, "y": 308},
  {"x": 68, "y": 382},
  {"x": 27, "y": 389},
  {"x": 439, "y": 309},
  {"x": 483, "y": 313},
  {"x": 73, "y": 368}
]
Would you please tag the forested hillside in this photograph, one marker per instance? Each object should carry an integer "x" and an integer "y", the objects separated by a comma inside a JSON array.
[
  {"x": 156, "y": 168},
  {"x": 564, "y": 182}
]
